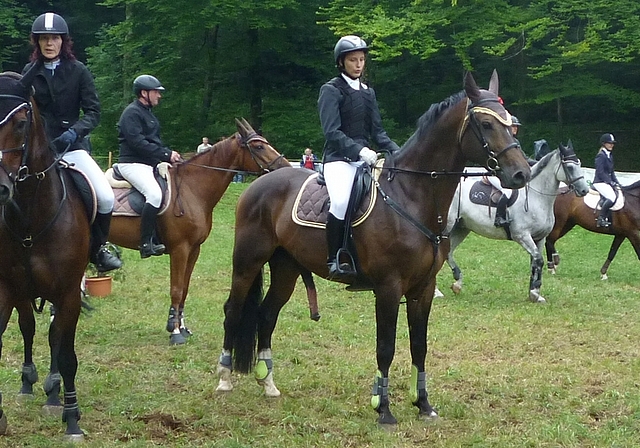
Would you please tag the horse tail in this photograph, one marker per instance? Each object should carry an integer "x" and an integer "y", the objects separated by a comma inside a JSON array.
[{"x": 244, "y": 342}]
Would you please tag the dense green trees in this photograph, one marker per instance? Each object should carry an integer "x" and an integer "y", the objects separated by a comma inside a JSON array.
[{"x": 568, "y": 68}]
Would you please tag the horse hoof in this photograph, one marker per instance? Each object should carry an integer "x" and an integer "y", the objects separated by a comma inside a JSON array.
[
  {"x": 52, "y": 411},
  {"x": 604, "y": 277},
  {"x": 3, "y": 423},
  {"x": 437, "y": 294},
  {"x": 315, "y": 316},
  {"x": 535, "y": 297},
  {"x": 224, "y": 386},
  {"x": 184, "y": 331},
  {"x": 177, "y": 339},
  {"x": 429, "y": 417},
  {"x": 73, "y": 438},
  {"x": 456, "y": 288}
]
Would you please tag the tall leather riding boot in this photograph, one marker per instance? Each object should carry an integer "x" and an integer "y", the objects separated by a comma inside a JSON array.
[
  {"x": 501, "y": 212},
  {"x": 335, "y": 238},
  {"x": 147, "y": 228},
  {"x": 603, "y": 220},
  {"x": 100, "y": 256}
]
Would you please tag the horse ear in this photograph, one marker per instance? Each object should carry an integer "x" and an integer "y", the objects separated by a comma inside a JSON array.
[
  {"x": 247, "y": 126},
  {"x": 494, "y": 84},
  {"x": 27, "y": 78},
  {"x": 241, "y": 129},
  {"x": 471, "y": 88}
]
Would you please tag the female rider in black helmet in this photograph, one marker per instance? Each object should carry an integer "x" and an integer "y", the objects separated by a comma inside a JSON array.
[
  {"x": 350, "y": 121},
  {"x": 64, "y": 87}
]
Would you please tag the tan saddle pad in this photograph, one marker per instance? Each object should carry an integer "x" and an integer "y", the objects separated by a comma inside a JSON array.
[
  {"x": 593, "y": 197},
  {"x": 129, "y": 201}
]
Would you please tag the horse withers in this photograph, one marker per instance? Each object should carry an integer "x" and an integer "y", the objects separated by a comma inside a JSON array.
[
  {"x": 400, "y": 245},
  {"x": 37, "y": 258},
  {"x": 570, "y": 211},
  {"x": 195, "y": 187},
  {"x": 531, "y": 214}
]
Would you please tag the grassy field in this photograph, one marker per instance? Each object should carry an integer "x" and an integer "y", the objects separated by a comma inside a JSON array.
[{"x": 502, "y": 372}]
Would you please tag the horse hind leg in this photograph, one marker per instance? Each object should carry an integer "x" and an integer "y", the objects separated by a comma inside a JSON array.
[
  {"x": 535, "y": 281},
  {"x": 284, "y": 274},
  {"x": 458, "y": 234}
]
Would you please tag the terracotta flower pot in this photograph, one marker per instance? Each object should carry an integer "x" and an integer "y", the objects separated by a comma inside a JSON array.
[{"x": 98, "y": 286}]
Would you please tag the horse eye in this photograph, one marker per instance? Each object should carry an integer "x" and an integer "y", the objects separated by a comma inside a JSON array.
[{"x": 486, "y": 125}]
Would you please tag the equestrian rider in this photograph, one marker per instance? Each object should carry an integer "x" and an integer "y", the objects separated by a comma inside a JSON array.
[
  {"x": 140, "y": 151},
  {"x": 64, "y": 87},
  {"x": 605, "y": 180},
  {"x": 350, "y": 120},
  {"x": 501, "y": 210}
]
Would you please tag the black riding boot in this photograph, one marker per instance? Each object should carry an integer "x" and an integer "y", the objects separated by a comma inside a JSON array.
[
  {"x": 100, "y": 256},
  {"x": 335, "y": 238},
  {"x": 501, "y": 212},
  {"x": 147, "y": 228},
  {"x": 603, "y": 219}
]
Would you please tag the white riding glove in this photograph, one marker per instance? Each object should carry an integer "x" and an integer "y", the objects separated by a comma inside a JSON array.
[{"x": 368, "y": 156}]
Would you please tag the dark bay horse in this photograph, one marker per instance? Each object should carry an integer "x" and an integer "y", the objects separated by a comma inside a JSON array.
[
  {"x": 44, "y": 236},
  {"x": 531, "y": 213},
  {"x": 570, "y": 211},
  {"x": 197, "y": 185},
  {"x": 400, "y": 245}
]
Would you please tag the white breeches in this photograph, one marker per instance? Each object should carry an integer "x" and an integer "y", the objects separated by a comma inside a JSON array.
[
  {"x": 605, "y": 190},
  {"x": 85, "y": 163},
  {"x": 496, "y": 183},
  {"x": 142, "y": 178},
  {"x": 339, "y": 179}
]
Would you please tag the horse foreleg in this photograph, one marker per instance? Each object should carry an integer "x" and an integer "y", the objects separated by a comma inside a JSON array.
[
  {"x": 387, "y": 303},
  {"x": 67, "y": 320},
  {"x": 51, "y": 386},
  {"x": 535, "y": 281},
  {"x": 418, "y": 318},
  {"x": 27, "y": 324},
  {"x": 458, "y": 234},
  {"x": 312, "y": 295},
  {"x": 613, "y": 250},
  {"x": 182, "y": 263}
]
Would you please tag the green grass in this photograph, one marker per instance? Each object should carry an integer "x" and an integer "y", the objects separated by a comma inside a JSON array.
[{"x": 502, "y": 372}]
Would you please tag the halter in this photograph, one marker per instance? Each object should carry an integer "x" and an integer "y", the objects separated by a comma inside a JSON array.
[{"x": 471, "y": 121}]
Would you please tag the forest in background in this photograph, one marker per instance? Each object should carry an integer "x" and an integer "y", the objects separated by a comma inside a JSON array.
[{"x": 569, "y": 69}]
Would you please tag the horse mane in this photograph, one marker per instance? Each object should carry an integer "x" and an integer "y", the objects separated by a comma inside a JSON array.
[
  {"x": 426, "y": 121},
  {"x": 542, "y": 163},
  {"x": 221, "y": 145}
]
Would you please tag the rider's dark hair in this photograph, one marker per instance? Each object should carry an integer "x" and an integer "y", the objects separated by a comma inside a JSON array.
[{"x": 66, "y": 51}]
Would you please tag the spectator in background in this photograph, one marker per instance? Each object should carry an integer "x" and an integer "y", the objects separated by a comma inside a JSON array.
[
  {"x": 204, "y": 145},
  {"x": 309, "y": 160}
]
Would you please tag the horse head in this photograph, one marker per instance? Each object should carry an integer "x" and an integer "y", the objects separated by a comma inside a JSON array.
[
  {"x": 490, "y": 141},
  {"x": 572, "y": 168},
  {"x": 15, "y": 119},
  {"x": 264, "y": 157}
]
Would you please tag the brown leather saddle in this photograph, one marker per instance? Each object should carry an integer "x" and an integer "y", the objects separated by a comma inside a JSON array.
[
  {"x": 483, "y": 193},
  {"x": 128, "y": 200}
]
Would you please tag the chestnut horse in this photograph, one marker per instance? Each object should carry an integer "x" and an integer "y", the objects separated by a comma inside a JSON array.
[
  {"x": 197, "y": 185},
  {"x": 44, "y": 236},
  {"x": 571, "y": 211},
  {"x": 400, "y": 245}
]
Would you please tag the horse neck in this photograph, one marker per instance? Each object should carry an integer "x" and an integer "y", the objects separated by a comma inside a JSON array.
[
  {"x": 201, "y": 176},
  {"x": 544, "y": 178},
  {"x": 436, "y": 150}
]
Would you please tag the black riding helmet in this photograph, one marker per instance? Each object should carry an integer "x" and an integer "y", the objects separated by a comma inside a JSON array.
[
  {"x": 607, "y": 138},
  {"x": 347, "y": 44},
  {"x": 49, "y": 23},
  {"x": 146, "y": 82}
]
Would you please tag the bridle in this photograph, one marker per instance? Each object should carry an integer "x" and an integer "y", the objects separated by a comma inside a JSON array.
[
  {"x": 23, "y": 170},
  {"x": 471, "y": 121},
  {"x": 253, "y": 137}
]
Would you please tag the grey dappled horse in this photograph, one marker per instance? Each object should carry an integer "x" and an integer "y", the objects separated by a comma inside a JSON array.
[{"x": 531, "y": 215}]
